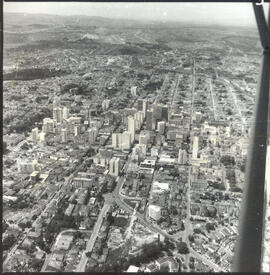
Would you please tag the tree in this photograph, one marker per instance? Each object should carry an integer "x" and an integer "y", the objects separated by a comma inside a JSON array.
[
  {"x": 209, "y": 227},
  {"x": 182, "y": 248},
  {"x": 88, "y": 254},
  {"x": 191, "y": 238},
  {"x": 8, "y": 242}
]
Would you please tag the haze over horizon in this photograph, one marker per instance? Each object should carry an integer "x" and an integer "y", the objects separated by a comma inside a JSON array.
[{"x": 240, "y": 14}]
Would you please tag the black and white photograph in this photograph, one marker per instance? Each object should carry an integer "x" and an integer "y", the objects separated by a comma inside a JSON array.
[{"x": 135, "y": 137}]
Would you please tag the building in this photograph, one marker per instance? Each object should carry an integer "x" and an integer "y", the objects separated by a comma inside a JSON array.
[
  {"x": 125, "y": 140},
  {"x": 25, "y": 167},
  {"x": 139, "y": 117},
  {"x": 133, "y": 268},
  {"x": 195, "y": 147},
  {"x": 77, "y": 130},
  {"x": 64, "y": 136},
  {"x": 131, "y": 127},
  {"x": 115, "y": 140},
  {"x": 56, "y": 102},
  {"x": 48, "y": 125},
  {"x": 144, "y": 138},
  {"x": 35, "y": 135},
  {"x": 63, "y": 242},
  {"x": 142, "y": 105},
  {"x": 150, "y": 121},
  {"x": 82, "y": 182},
  {"x": 58, "y": 114},
  {"x": 105, "y": 104},
  {"x": 65, "y": 113},
  {"x": 42, "y": 138},
  {"x": 161, "y": 127},
  {"x": 157, "y": 112},
  {"x": 114, "y": 166},
  {"x": 165, "y": 113},
  {"x": 182, "y": 156},
  {"x": 121, "y": 141},
  {"x": 159, "y": 187},
  {"x": 133, "y": 91},
  {"x": 92, "y": 135},
  {"x": 154, "y": 212}
]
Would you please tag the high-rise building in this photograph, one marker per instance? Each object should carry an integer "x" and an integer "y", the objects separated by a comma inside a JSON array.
[
  {"x": 35, "y": 135},
  {"x": 149, "y": 120},
  {"x": 133, "y": 90},
  {"x": 92, "y": 134},
  {"x": 56, "y": 102},
  {"x": 131, "y": 127},
  {"x": 48, "y": 125},
  {"x": 195, "y": 147},
  {"x": 77, "y": 130},
  {"x": 157, "y": 111},
  {"x": 65, "y": 113},
  {"x": 144, "y": 138},
  {"x": 42, "y": 138},
  {"x": 125, "y": 140},
  {"x": 165, "y": 112},
  {"x": 64, "y": 135},
  {"x": 182, "y": 156},
  {"x": 114, "y": 166},
  {"x": 115, "y": 140},
  {"x": 142, "y": 105},
  {"x": 154, "y": 212},
  {"x": 58, "y": 114},
  {"x": 161, "y": 127},
  {"x": 105, "y": 104}
]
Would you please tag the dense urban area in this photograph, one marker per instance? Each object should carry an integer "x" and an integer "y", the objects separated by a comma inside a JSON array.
[{"x": 125, "y": 143}]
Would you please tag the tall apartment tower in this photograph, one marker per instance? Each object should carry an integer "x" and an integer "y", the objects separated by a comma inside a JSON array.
[
  {"x": 195, "y": 147},
  {"x": 64, "y": 135},
  {"x": 35, "y": 136},
  {"x": 182, "y": 156},
  {"x": 114, "y": 166},
  {"x": 131, "y": 127},
  {"x": 149, "y": 120},
  {"x": 65, "y": 113},
  {"x": 58, "y": 115}
]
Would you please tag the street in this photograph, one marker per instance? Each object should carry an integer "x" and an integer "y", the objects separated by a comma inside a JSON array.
[{"x": 90, "y": 244}]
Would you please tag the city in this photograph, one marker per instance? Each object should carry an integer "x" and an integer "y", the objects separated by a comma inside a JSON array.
[{"x": 124, "y": 147}]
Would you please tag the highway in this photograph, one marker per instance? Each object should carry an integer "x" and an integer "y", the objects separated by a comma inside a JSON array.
[{"x": 90, "y": 244}]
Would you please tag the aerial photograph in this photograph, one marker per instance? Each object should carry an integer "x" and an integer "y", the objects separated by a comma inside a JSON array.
[{"x": 126, "y": 133}]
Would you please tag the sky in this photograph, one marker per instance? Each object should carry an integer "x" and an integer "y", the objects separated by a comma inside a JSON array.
[{"x": 240, "y": 14}]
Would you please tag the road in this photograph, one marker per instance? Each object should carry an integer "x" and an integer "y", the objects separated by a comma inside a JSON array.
[
  {"x": 229, "y": 89},
  {"x": 142, "y": 38},
  {"x": 214, "y": 266},
  {"x": 192, "y": 93},
  {"x": 48, "y": 257},
  {"x": 212, "y": 96},
  {"x": 90, "y": 244},
  {"x": 35, "y": 31},
  {"x": 175, "y": 89}
]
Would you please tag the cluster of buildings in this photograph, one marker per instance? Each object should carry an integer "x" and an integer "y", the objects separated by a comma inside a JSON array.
[{"x": 165, "y": 134}]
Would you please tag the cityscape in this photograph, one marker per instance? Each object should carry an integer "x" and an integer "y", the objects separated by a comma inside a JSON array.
[{"x": 125, "y": 143}]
